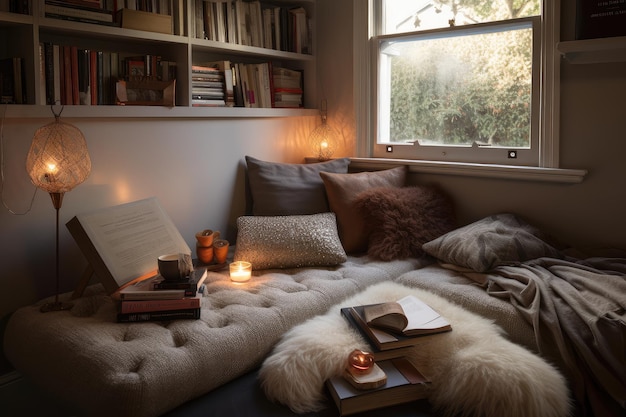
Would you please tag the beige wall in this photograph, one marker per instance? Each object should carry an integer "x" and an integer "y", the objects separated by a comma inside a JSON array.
[{"x": 593, "y": 137}]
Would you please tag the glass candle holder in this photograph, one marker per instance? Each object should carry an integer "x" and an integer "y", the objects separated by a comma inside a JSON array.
[{"x": 240, "y": 271}]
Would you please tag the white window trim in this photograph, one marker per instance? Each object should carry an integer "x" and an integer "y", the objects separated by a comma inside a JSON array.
[{"x": 548, "y": 167}]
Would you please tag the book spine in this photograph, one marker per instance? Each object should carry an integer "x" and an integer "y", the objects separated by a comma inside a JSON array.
[
  {"x": 146, "y": 306},
  {"x": 187, "y": 314}
]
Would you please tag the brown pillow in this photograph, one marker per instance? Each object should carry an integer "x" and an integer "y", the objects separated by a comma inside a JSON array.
[
  {"x": 342, "y": 189},
  {"x": 401, "y": 220}
]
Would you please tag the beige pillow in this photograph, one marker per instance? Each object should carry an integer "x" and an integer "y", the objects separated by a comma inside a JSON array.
[{"x": 342, "y": 190}]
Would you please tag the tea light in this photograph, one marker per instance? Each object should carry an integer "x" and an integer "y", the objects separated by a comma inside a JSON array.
[
  {"x": 360, "y": 362},
  {"x": 240, "y": 271}
]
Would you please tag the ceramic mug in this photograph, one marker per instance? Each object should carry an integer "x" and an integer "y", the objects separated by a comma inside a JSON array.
[{"x": 169, "y": 267}]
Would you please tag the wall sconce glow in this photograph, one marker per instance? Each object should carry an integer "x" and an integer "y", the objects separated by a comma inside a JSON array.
[{"x": 323, "y": 138}]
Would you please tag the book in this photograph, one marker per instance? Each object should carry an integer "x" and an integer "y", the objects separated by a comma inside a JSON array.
[
  {"x": 408, "y": 316},
  {"x": 381, "y": 339},
  {"x": 192, "y": 283},
  {"x": 69, "y": 11},
  {"x": 379, "y": 355},
  {"x": 122, "y": 243},
  {"x": 600, "y": 19},
  {"x": 143, "y": 306},
  {"x": 404, "y": 384},
  {"x": 146, "y": 289},
  {"x": 186, "y": 314},
  {"x": 148, "y": 21}
]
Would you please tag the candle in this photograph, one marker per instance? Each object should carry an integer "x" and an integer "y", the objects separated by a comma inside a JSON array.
[
  {"x": 360, "y": 362},
  {"x": 240, "y": 271}
]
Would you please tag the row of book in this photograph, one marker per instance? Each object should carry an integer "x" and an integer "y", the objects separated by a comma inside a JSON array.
[
  {"x": 78, "y": 76},
  {"x": 15, "y": 6},
  {"x": 12, "y": 81},
  {"x": 156, "y": 299},
  {"x": 253, "y": 23},
  {"x": 260, "y": 85},
  {"x": 393, "y": 330}
]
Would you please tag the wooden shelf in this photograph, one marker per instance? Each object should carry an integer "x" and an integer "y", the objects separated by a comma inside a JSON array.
[{"x": 594, "y": 51}]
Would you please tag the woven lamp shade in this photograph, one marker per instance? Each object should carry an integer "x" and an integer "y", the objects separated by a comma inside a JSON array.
[
  {"x": 322, "y": 141},
  {"x": 58, "y": 159}
]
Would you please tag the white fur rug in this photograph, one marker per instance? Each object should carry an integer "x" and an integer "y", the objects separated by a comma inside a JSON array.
[{"x": 474, "y": 370}]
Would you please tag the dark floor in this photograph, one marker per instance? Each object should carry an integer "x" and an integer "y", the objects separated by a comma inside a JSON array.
[{"x": 239, "y": 398}]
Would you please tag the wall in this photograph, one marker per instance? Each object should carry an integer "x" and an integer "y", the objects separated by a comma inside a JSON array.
[
  {"x": 194, "y": 167},
  {"x": 593, "y": 137}
]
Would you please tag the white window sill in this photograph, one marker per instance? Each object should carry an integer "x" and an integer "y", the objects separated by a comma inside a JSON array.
[{"x": 510, "y": 172}]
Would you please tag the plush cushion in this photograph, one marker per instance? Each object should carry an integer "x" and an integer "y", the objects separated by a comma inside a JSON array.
[
  {"x": 400, "y": 220},
  {"x": 289, "y": 241},
  {"x": 501, "y": 239},
  {"x": 342, "y": 190},
  {"x": 280, "y": 189}
]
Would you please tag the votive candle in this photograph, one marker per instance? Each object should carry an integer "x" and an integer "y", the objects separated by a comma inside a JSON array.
[{"x": 240, "y": 271}]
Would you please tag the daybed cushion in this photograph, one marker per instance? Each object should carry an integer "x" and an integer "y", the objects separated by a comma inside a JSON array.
[
  {"x": 279, "y": 189},
  {"x": 342, "y": 190},
  {"x": 400, "y": 220},
  {"x": 103, "y": 368},
  {"x": 289, "y": 241},
  {"x": 501, "y": 239}
]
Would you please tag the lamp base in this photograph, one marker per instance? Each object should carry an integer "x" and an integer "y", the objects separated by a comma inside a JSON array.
[{"x": 55, "y": 306}]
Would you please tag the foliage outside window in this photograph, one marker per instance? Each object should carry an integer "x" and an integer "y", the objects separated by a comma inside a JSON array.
[{"x": 459, "y": 80}]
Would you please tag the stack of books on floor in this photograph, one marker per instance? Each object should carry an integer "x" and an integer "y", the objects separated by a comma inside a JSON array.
[
  {"x": 393, "y": 330},
  {"x": 155, "y": 299}
]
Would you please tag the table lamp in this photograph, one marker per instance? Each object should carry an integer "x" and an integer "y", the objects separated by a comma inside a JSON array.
[{"x": 57, "y": 162}]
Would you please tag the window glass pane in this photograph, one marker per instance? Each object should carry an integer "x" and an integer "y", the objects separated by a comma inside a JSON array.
[
  {"x": 458, "y": 90},
  {"x": 413, "y": 15}
]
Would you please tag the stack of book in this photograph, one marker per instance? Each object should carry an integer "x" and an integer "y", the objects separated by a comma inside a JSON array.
[
  {"x": 207, "y": 86},
  {"x": 393, "y": 329},
  {"x": 156, "y": 299},
  {"x": 287, "y": 87}
]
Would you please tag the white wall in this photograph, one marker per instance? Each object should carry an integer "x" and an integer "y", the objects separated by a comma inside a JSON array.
[{"x": 194, "y": 167}]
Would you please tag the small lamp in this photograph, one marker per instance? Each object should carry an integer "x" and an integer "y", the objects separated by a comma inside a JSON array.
[
  {"x": 57, "y": 162},
  {"x": 323, "y": 138}
]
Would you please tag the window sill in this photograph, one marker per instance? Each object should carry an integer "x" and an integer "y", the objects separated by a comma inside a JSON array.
[{"x": 509, "y": 172}]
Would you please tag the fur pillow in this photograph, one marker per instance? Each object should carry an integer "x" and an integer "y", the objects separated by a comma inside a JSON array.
[
  {"x": 474, "y": 370},
  {"x": 400, "y": 220}
]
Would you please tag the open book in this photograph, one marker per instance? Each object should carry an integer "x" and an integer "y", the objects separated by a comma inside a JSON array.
[{"x": 408, "y": 316}]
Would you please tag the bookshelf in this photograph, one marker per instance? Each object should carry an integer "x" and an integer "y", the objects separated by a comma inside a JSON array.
[
  {"x": 21, "y": 36},
  {"x": 592, "y": 51}
]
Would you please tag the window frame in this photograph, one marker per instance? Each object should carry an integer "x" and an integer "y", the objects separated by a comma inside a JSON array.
[{"x": 366, "y": 100}]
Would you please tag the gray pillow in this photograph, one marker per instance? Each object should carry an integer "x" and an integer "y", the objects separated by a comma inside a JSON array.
[
  {"x": 281, "y": 189},
  {"x": 501, "y": 239},
  {"x": 289, "y": 241}
]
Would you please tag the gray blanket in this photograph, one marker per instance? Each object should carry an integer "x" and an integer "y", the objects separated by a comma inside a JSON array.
[{"x": 578, "y": 313}]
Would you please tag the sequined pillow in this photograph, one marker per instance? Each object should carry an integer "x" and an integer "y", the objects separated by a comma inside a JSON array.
[{"x": 289, "y": 241}]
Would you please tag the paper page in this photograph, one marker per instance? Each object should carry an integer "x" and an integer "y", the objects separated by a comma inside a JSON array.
[
  {"x": 130, "y": 237},
  {"x": 420, "y": 314}
]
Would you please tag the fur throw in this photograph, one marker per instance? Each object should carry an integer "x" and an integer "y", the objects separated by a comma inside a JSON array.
[
  {"x": 474, "y": 370},
  {"x": 401, "y": 220}
]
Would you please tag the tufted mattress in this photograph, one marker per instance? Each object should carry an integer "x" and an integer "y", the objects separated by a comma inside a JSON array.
[{"x": 99, "y": 367}]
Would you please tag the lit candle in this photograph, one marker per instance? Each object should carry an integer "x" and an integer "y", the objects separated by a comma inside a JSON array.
[
  {"x": 240, "y": 271},
  {"x": 360, "y": 362}
]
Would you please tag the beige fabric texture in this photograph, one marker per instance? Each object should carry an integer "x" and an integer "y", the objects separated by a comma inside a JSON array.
[{"x": 103, "y": 368}]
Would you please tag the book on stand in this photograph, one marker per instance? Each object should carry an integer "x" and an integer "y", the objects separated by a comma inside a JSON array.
[{"x": 404, "y": 384}]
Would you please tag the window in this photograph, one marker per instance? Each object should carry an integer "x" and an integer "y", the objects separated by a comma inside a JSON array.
[{"x": 464, "y": 81}]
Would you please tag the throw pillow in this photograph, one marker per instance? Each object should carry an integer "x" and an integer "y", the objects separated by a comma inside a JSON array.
[
  {"x": 289, "y": 241},
  {"x": 280, "y": 189},
  {"x": 342, "y": 190},
  {"x": 401, "y": 220},
  {"x": 501, "y": 239}
]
